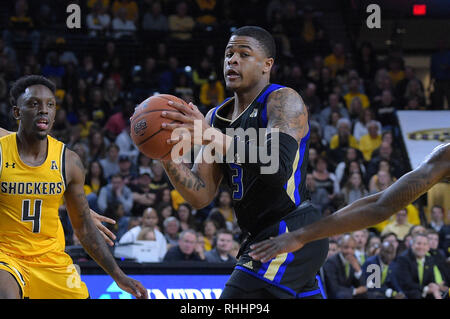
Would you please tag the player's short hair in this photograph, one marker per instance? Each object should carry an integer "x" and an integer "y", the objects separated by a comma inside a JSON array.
[
  {"x": 26, "y": 81},
  {"x": 264, "y": 38}
]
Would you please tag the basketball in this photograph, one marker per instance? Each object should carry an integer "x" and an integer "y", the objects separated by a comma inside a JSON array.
[{"x": 146, "y": 131}]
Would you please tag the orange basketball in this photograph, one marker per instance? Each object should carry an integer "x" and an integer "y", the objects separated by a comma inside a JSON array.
[{"x": 145, "y": 126}]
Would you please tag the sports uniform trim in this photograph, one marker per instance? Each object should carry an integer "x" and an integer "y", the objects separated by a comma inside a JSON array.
[
  {"x": 1, "y": 163},
  {"x": 274, "y": 269},
  {"x": 15, "y": 271},
  {"x": 294, "y": 181},
  {"x": 287, "y": 289},
  {"x": 63, "y": 165},
  {"x": 263, "y": 98}
]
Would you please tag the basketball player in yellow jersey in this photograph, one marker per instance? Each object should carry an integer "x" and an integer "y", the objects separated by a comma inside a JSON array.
[
  {"x": 36, "y": 170},
  {"x": 97, "y": 219}
]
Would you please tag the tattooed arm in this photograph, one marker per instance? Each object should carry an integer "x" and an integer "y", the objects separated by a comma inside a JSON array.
[
  {"x": 287, "y": 112},
  {"x": 366, "y": 211},
  {"x": 198, "y": 185},
  {"x": 86, "y": 231},
  {"x": 287, "y": 125}
]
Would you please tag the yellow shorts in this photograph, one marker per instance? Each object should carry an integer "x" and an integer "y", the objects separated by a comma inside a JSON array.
[{"x": 49, "y": 276}]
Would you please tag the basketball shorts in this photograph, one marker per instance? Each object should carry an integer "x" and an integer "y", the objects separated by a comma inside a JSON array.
[
  {"x": 49, "y": 276},
  {"x": 288, "y": 275}
]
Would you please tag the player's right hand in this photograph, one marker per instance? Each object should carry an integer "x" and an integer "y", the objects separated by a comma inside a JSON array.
[
  {"x": 188, "y": 118},
  {"x": 270, "y": 248},
  {"x": 106, "y": 233},
  {"x": 133, "y": 287}
]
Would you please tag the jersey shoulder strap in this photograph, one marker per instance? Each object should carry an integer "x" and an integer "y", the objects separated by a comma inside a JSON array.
[{"x": 215, "y": 110}]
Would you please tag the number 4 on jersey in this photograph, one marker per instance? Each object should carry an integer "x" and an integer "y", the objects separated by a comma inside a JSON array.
[{"x": 36, "y": 217}]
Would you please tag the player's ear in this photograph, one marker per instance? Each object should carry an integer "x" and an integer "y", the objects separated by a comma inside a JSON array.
[
  {"x": 16, "y": 112},
  {"x": 268, "y": 63}
]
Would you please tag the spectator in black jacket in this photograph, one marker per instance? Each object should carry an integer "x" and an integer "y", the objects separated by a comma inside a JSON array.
[
  {"x": 221, "y": 251},
  {"x": 185, "y": 250},
  {"x": 385, "y": 286},
  {"x": 417, "y": 273},
  {"x": 343, "y": 274},
  {"x": 444, "y": 241},
  {"x": 438, "y": 254}
]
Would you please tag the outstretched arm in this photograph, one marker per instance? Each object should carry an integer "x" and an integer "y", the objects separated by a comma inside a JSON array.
[
  {"x": 365, "y": 212},
  {"x": 87, "y": 233}
]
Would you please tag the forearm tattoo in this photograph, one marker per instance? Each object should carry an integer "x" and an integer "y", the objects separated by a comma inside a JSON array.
[{"x": 181, "y": 175}]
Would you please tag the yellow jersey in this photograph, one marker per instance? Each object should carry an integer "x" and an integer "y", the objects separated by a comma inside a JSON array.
[{"x": 29, "y": 200}]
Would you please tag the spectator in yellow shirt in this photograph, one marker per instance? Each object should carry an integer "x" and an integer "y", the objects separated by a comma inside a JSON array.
[
  {"x": 212, "y": 92},
  {"x": 181, "y": 24},
  {"x": 209, "y": 231},
  {"x": 336, "y": 60},
  {"x": 353, "y": 92},
  {"x": 130, "y": 6},
  {"x": 343, "y": 138},
  {"x": 85, "y": 125},
  {"x": 396, "y": 72},
  {"x": 400, "y": 226},
  {"x": 177, "y": 199},
  {"x": 371, "y": 141},
  {"x": 413, "y": 219},
  {"x": 91, "y": 3}
]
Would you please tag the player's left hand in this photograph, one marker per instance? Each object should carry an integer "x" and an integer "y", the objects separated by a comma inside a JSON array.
[
  {"x": 191, "y": 120},
  {"x": 270, "y": 248},
  {"x": 106, "y": 233}
]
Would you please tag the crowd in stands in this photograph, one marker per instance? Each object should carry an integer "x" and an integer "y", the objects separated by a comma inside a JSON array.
[{"x": 352, "y": 95}]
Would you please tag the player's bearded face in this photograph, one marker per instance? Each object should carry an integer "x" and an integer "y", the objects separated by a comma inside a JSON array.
[
  {"x": 36, "y": 111},
  {"x": 244, "y": 62}
]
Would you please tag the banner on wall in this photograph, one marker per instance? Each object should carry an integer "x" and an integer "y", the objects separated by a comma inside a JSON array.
[
  {"x": 422, "y": 131},
  {"x": 159, "y": 286}
]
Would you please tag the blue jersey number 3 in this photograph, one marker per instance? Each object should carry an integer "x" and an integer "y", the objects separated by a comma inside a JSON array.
[{"x": 238, "y": 189}]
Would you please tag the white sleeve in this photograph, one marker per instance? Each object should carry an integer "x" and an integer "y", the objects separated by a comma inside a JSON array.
[
  {"x": 130, "y": 236},
  {"x": 162, "y": 244}
]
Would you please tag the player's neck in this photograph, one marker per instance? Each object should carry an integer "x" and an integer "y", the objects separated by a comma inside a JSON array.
[
  {"x": 245, "y": 98},
  {"x": 30, "y": 148}
]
